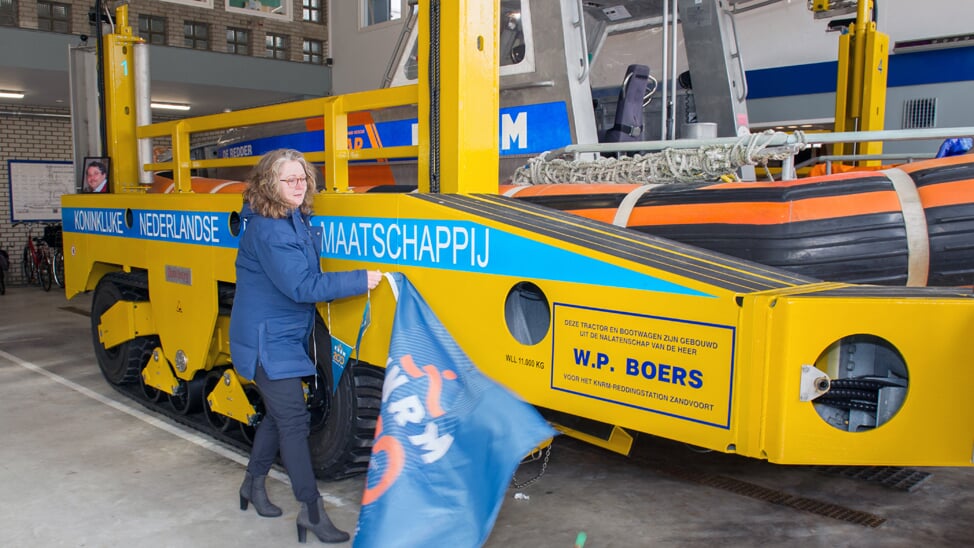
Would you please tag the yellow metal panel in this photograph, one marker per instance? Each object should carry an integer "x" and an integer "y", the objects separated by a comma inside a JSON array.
[
  {"x": 935, "y": 426},
  {"x": 228, "y": 398},
  {"x": 158, "y": 373},
  {"x": 698, "y": 416},
  {"x": 126, "y": 320}
]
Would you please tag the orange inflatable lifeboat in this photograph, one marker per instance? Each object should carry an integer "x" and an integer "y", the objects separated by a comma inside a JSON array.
[{"x": 906, "y": 225}]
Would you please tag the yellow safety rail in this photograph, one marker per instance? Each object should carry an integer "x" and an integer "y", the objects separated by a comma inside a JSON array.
[{"x": 333, "y": 110}]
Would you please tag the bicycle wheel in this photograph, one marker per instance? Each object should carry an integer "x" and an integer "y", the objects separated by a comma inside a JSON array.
[
  {"x": 57, "y": 263},
  {"x": 44, "y": 274},
  {"x": 27, "y": 266}
]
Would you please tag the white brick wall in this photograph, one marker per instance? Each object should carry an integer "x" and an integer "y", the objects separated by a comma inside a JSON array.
[{"x": 27, "y": 134}]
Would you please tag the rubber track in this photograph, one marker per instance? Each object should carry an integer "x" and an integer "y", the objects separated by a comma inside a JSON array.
[
  {"x": 136, "y": 287},
  {"x": 233, "y": 437}
]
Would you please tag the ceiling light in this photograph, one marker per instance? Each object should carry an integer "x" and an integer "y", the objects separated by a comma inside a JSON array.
[
  {"x": 169, "y": 106},
  {"x": 5, "y": 94}
]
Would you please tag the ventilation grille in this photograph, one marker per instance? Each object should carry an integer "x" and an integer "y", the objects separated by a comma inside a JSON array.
[{"x": 920, "y": 113}]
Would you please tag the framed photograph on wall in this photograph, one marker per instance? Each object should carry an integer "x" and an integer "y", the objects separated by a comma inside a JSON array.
[{"x": 94, "y": 177}]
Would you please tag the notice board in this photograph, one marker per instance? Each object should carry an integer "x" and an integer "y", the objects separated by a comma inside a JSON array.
[{"x": 36, "y": 187}]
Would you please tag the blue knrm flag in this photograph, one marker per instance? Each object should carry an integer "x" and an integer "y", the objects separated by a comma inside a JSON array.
[{"x": 447, "y": 443}]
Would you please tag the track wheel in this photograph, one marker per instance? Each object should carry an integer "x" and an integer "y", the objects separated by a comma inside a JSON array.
[
  {"x": 343, "y": 421},
  {"x": 186, "y": 400},
  {"x": 218, "y": 422},
  {"x": 27, "y": 268},
  {"x": 149, "y": 392},
  {"x": 44, "y": 276},
  {"x": 58, "y": 269},
  {"x": 248, "y": 430},
  {"x": 120, "y": 364}
]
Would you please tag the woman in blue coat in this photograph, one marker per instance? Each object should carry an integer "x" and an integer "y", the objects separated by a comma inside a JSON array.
[{"x": 279, "y": 280}]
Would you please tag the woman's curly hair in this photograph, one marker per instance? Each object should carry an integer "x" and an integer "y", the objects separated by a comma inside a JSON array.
[{"x": 264, "y": 191}]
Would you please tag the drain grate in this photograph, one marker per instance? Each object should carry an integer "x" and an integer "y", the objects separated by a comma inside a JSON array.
[
  {"x": 894, "y": 477},
  {"x": 774, "y": 496}
]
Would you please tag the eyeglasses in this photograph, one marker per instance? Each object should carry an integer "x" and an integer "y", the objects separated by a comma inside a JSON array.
[{"x": 294, "y": 182}]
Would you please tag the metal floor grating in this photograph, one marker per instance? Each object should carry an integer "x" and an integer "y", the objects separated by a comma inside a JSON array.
[{"x": 894, "y": 477}]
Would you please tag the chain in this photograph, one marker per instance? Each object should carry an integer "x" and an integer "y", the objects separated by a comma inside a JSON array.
[{"x": 533, "y": 457}]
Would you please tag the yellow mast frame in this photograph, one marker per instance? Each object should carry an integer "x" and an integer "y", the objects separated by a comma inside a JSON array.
[{"x": 860, "y": 95}]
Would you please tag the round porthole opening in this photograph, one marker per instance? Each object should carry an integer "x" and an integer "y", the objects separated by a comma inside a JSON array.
[
  {"x": 868, "y": 384},
  {"x": 527, "y": 313}
]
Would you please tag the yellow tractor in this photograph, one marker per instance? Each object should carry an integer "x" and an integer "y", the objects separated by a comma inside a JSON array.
[{"x": 608, "y": 331}]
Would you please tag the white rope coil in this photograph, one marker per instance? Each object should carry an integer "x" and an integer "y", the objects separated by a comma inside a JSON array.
[{"x": 671, "y": 165}]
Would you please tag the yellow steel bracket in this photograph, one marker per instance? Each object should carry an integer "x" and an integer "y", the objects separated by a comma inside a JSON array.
[
  {"x": 120, "y": 102},
  {"x": 229, "y": 399},
  {"x": 219, "y": 353},
  {"x": 124, "y": 321},
  {"x": 860, "y": 97},
  {"x": 158, "y": 374},
  {"x": 336, "y": 145},
  {"x": 181, "y": 157},
  {"x": 619, "y": 441}
]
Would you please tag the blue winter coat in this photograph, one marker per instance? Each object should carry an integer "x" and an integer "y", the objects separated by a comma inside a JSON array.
[{"x": 279, "y": 280}]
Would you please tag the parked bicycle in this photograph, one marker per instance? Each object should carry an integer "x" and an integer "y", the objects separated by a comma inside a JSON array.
[
  {"x": 53, "y": 237},
  {"x": 36, "y": 260},
  {"x": 4, "y": 267}
]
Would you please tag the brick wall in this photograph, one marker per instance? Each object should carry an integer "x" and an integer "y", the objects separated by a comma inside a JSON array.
[
  {"x": 45, "y": 134},
  {"x": 27, "y": 134},
  {"x": 218, "y": 19}
]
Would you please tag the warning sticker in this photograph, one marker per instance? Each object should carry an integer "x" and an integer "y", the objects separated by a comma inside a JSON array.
[{"x": 675, "y": 367}]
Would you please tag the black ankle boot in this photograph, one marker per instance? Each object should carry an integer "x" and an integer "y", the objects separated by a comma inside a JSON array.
[
  {"x": 312, "y": 516},
  {"x": 253, "y": 490}
]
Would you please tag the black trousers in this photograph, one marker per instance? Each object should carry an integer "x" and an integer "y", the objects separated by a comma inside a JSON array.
[{"x": 285, "y": 428}]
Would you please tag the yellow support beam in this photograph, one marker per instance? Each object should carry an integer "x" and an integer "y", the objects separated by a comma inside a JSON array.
[
  {"x": 464, "y": 97},
  {"x": 860, "y": 97},
  {"x": 121, "y": 123}
]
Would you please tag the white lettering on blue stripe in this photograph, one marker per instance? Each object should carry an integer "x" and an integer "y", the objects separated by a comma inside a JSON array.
[
  {"x": 99, "y": 220},
  {"x": 426, "y": 243},
  {"x": 188, "y": 227}
]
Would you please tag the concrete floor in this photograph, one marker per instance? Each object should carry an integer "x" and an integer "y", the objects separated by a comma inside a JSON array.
[{"x": 81, "y": 465}]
